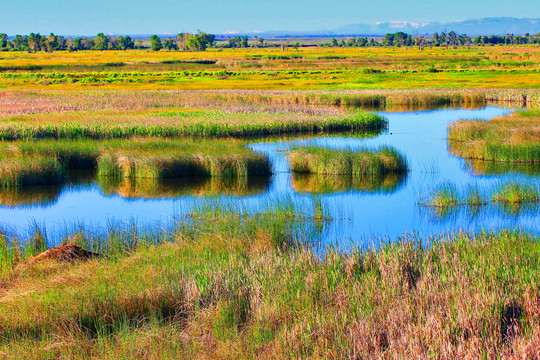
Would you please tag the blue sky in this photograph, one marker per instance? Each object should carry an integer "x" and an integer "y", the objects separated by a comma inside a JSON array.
[{"x": 87, "y": 17}]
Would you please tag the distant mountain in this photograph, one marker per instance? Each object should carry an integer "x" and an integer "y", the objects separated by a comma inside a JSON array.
[{"x": 486, "y": 26}]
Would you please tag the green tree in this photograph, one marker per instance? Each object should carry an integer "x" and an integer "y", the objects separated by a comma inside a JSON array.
[
  {"x": 155, "y": 43},
  {"x": 125, "y": 43},
  {"x": 101, "y": 42},
  {"x": 3, "y": 41},
  {"x": 51, "y": 42},
  {"x": 170, "y": 44}
]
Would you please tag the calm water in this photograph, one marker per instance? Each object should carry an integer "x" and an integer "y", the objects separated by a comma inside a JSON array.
[{"x": 363, "y": 209}]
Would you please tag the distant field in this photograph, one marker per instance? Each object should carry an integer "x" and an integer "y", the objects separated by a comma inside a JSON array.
[{"x": 305, "y": 68}]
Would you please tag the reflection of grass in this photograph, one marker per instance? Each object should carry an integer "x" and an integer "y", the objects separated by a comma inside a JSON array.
[
  {"x": 199, "y": 187},
  {"x": 224, "y": 284},
  {"x": 329, "y": 184},
  {"x": 479, "y": 167},
  {"x": 317, "y": 160},
  {"x": 514, "y": 138},
  {"x": 28, "y": 196}
]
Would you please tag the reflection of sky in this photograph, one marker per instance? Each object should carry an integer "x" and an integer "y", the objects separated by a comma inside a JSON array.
[{"x": 421, "y": 136}]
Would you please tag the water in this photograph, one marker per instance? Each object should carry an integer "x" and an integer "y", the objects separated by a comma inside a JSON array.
[{"x": 363, "y": 210}]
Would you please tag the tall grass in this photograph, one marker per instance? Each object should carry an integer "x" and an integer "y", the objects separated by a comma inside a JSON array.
[
  {"x": 324, "y": 161},
  {"x": 16, "y": 172},
  {"x": 213, "y": 126},
  {"x": 449, "y": 195},
  {"x": 514, "y": 138},
  {"x": 159, "y": 166},
  {"x": 230, "y": 285},
  {"x": 45, "y": 162}
]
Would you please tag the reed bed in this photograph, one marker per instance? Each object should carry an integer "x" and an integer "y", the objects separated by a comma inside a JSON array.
[
  {"x": 166, "y": 165},
  {"x": 30, "y": 171},
  {"x": 225, "y": 284},
  {"x": 364, "y": 162},
  {"x": 14, "y": 103},
  {"x": 510, "y": 192},
  {"x": 45, "y": 162},
  {"x": 514, "y": 138}
]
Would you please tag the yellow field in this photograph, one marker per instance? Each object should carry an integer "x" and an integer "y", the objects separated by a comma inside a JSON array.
[{"x": 305, "y": 68}]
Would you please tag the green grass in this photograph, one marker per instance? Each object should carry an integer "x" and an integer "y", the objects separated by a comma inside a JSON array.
[
  {"x": 15, "y": 172},
  {"x": 222, "y": 283},
  {"x": 45, "y": 162},
  {"x": 179, "y": 127},
  {"x": 365, "y": 162},
  {"x": 514, "y": 138},
  {"x": 516, "y": 192},
  {"x": 513, "y": 192}
]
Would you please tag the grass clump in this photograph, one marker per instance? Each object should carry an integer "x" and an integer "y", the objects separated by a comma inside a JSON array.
[
  {"x": 514, "y": 138},
  {"x": 15, "y": 172},
  {"x": 324, "y": 161},
  {"x": 166, "y": 165},
  {"x": 515, "y": 192},
  {"x": 44, "y": 162},
  {"x": 448, "y": 195}
]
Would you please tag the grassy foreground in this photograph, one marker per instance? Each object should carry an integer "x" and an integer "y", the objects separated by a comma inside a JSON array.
[
  {"x": 225, "y": 284},
  {"x": 514, "y": 138}
]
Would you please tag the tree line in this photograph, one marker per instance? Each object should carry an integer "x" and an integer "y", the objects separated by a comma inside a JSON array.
[
  {"x": 443, "y": 39},
  {"x": 37, "y": 42},
  {"x": 201, "y": 41}
]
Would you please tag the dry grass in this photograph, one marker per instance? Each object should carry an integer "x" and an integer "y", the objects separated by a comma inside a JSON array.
[
  {"x": 226, "y": 288},
  {"x": 514, "y": 138}
]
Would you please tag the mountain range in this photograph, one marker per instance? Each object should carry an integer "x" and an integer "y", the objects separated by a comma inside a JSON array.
[{"x": 483, "y": 26}]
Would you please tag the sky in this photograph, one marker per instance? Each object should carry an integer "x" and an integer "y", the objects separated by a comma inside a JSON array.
[{"x": 88, "y": 17}]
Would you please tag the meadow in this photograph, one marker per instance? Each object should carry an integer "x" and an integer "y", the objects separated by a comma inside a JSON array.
[{"x": 305, "y": 68}]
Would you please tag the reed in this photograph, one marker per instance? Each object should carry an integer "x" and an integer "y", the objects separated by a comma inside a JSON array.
[
  {"x": 317, "y": 160},
  {"x": 516, "y": 192},
  {"x": 513, "y": 138},
  {"x": 15, "y": 172},
  {"x": 167, "y": 165},
  {"x": 44, "y": 162},
  {"x": 229, "y": 284},
  {"x": 449, "y": 195}
]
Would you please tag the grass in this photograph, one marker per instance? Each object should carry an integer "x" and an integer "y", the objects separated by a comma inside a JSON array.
[
  {"x": 323, "y": 161},
  {"x": 30, "y": 171},
  {"x": 45, "y": 162},
  {"x": 513, "y": 138},
  {"x": 225, "y": 284},
  {"x": 510, "y": 192},
  {"x": 306, "y": 68}
]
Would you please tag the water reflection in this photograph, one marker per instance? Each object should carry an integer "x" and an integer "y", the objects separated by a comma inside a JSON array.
[
  {"x": 467, "y": 214},
  {"x": 334, "y": 184},
  {"x": 190, "y": 186},
  {"x": 478, "y": 167}
]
